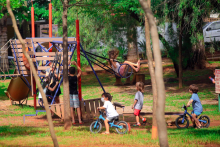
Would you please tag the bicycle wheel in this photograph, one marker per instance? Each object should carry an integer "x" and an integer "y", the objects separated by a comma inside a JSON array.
[
  {"x": 97, "y": 128},
  {"x": 181, "y": 124},
  {"x": 204, "y": 118},
  {"x": 124, "y": 127}
]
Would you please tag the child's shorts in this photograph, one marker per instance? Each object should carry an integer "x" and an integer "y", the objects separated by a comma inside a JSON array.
[
  {"x": 111, "y": 118},
  {"x": 74, "y": 101},
  {"x": 196, "y": 113},
  {"x": 137, "y": 112}
]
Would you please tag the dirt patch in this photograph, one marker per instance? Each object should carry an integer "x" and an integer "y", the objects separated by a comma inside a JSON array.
[{"x": 211, "y": 102}]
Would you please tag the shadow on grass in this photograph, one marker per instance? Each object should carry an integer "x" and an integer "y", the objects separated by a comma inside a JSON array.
[
  {"x": 15, "y": 131},
  {"x": 195, "y": 132}
]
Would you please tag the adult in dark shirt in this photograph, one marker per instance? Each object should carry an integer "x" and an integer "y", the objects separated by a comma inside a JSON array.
[{"x": 74, "y": 99}]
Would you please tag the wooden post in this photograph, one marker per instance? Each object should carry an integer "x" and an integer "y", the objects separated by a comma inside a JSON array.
[{"x": 217, "y": 86}]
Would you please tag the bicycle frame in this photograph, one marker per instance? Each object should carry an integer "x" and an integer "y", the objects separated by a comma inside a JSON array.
[
  {"x": 111, "y": 124},
  {"x": 184, "y": 115}
]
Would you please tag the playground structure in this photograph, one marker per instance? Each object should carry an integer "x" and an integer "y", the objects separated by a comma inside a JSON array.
[{"x": 42, "y": 51}]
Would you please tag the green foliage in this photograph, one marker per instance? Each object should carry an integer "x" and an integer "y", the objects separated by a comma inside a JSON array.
[
  {"x": 102, "y": 24},
  {"x": 22, "y": 9}
]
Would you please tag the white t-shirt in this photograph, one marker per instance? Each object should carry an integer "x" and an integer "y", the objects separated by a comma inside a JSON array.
[
  {"x": 39, "y": 95},
  {"x": 110, "y": 110},
  {"x": 116, "y": 69}
]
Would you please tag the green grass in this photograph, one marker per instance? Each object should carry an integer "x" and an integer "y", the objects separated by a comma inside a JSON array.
[
  {"x": 80, "y": 136},
  {"x": 23, "y": 135},
  {"x": 211, "y": 62},
  {"x": 3, "y": 87},
  {"x": 16, "y": 110}
]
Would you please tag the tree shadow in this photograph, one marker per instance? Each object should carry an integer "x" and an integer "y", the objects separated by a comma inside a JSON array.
[
  {"x": 15, "y": 131},
  {"x": 196, "y": 132}
]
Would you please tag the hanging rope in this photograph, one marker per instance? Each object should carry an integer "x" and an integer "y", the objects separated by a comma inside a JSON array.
[
  {"x": 124, "y": 70},
  {"x": 4, "y": 52}
]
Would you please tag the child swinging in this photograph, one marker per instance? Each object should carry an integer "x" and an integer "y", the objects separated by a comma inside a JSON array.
[{"x": 120, "y": 69}]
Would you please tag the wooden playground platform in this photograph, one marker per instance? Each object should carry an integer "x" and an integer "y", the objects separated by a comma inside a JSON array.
[{"x": 88, "y": 109}]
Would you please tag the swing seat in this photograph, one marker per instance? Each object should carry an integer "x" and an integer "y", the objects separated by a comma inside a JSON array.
[{"x": 125, "y": 70}]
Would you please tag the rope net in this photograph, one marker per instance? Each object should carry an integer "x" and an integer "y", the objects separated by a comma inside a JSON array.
[{"x": 7, "y": 66}]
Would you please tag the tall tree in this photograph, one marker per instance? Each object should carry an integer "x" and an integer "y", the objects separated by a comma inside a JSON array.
[
  {"x": 37, "y": 79},
  {"x": 161, "y": 123},
  {"x": 188, "y": 16},
  {"x": 152, "y": 75},
  {"x": 67, "y": 116},
  {"x": 66, "y": 102}
]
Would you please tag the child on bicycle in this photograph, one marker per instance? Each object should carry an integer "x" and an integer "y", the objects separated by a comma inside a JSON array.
[
  {"x": 111, "y": 113},
  {"x": 138, "y": 103},
  {"x": 196, "y": 104},
  {"x": 115, "y": 65},
  {"x": 74, "y": 99}
]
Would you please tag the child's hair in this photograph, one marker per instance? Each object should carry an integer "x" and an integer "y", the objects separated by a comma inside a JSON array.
[
  {"x": 193, "y": 88},
  {"x": 107, "y": 95},
  {"x": 72, "y": 70},
  {"x": 140, "y": 86},
  {"x": 113, "y": 53}
]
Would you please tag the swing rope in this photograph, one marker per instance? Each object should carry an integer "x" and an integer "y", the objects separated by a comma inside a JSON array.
[{"x": 107, "y": 68}]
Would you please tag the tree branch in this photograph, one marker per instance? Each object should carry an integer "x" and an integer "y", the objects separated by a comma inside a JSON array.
[{"x": 51, "y": 127}]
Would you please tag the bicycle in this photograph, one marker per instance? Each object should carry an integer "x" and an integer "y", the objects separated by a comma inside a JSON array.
[
  {"x": 183, "y": 122},
  {"x": 121, "y": 126}
]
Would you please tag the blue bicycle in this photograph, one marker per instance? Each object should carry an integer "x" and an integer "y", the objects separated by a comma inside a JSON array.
[
  {"x": 96, "y": 126},
  {"x": 183, "y": 121}
]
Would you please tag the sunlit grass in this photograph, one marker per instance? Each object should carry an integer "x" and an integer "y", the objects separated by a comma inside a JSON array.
[{"x": 81, "y": 136}]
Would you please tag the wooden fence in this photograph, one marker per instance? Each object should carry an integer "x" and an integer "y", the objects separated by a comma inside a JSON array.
[{"x": 88, "y": 109}]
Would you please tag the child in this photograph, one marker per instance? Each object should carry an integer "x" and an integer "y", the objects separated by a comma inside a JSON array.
[
  {"x": 44, "y": 85},
  {"x": 111, "y": 113},
  {"x": 54, "y": 80},
  {"x": 74, "y": 99},
  {"x": 196, "y": 104},
  {"x": 115, "y": 65},
  {"x": 45, "y": 88},
  {"x": 138, "y": 103},
  {"x": 213, "y": 79}
]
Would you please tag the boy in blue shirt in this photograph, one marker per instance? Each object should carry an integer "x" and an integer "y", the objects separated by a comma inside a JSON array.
[{"x": 196, "y": 104}]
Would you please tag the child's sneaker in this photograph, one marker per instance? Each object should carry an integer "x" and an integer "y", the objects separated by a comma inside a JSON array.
[
  {"x": 137, "y": 125},
  {"x": 144, "y": 120}
]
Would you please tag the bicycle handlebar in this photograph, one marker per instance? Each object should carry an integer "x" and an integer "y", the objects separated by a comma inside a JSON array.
[{"x": 184, "y": 107}]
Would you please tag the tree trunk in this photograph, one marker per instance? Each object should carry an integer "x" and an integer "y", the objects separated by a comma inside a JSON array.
[
  {"x": 152, "y": 75},
  {"x": 132, "y": 55},
  {"x": 199, "y": 56},
  {"x": 3, "y": 45},
  {"x": 26, "y": 29},
  {"x": 49, "y": 119},
  {"x": 180, "y": 61},
  {"x": 161, "y": 123},
  {"x": 180, "y": 54},
  {"x": 66, "y": 100}
]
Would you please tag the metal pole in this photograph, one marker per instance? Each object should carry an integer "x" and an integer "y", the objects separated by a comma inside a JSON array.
[{"x": 78, "y": 58}]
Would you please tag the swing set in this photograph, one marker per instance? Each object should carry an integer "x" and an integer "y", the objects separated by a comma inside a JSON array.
[{"x": 23, "y": 83}]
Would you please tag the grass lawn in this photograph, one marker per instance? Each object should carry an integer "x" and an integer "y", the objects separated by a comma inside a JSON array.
[{"x": 16, "y": 133}]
